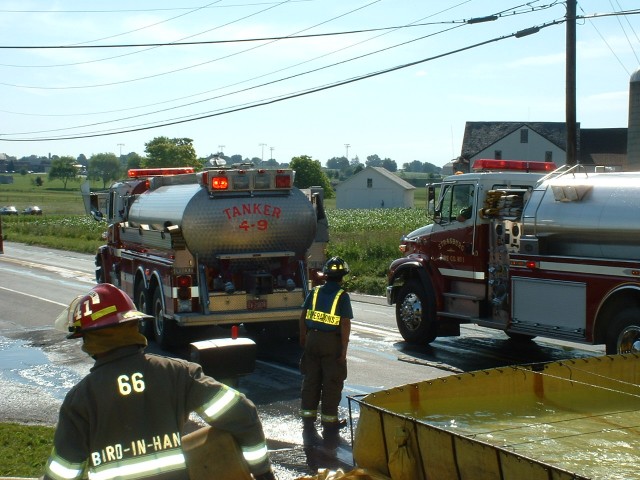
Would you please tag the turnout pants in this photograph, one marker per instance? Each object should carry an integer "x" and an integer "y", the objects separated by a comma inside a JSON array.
[{"x": 324, "y": 376}]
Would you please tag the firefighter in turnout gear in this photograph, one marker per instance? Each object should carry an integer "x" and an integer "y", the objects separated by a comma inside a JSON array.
[
  {"x": 325, "y": 326},
  {"x": 125, "y": 419}
]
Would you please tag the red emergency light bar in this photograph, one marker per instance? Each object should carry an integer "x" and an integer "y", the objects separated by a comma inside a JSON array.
[
  {"x": 283, "y": 181},
  {"x": 245, "y": 180},
  {"x": 157, "y": 172},
  {"x": 219, "y": 182},
  {"x": 513, "y": 165}
]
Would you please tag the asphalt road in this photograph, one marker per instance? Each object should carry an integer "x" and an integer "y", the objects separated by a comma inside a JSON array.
[{"x": 38, "y": 365}]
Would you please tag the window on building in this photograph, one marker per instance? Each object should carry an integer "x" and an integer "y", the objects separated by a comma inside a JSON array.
[
  {"x": 497, "y": 155},
  {"x": 548, "y": 156},
  {"x": 369, "y": 182},
  {"x": 524, "y": 135}
]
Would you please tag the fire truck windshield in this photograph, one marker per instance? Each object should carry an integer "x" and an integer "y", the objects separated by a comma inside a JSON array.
[{"x": 457, "y": 203}]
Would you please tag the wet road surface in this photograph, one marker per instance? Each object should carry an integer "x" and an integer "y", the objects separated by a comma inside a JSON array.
[{"x": 38, "y": 365}]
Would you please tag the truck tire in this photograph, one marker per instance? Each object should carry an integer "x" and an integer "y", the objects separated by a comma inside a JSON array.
[
  {"x": 164, "y": 329},
  {"x": 623, "y": 335},
  {"x": 416, "y": 313},
  {"x": 142, "y": 304}
]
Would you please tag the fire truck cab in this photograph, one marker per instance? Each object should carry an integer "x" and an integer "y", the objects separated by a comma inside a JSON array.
[{"x": 519, "y": 248}]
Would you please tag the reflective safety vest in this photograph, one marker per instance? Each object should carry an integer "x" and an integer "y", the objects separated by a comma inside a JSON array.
[{"x": 327, "y": 321}]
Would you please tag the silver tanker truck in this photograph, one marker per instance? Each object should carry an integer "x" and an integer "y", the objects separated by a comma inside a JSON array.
[
  {"x": 224, "y": 246},
  {"x": 517, "y": 248}
]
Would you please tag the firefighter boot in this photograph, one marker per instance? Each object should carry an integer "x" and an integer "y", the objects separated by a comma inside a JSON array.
[
  {"x": 331, "y": 434},
  {"x": 310, "y": 435},
  {"x": 265, "y": 476}
]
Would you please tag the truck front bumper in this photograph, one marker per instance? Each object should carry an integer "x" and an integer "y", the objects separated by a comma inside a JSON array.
[{"x": 390, "y": 295}]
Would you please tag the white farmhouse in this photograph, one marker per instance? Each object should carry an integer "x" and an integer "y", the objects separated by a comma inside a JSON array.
[{"x": 374, "y": 187}]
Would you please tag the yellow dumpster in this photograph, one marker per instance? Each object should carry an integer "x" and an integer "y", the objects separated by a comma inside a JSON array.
[{"x": 574, "y": 419}]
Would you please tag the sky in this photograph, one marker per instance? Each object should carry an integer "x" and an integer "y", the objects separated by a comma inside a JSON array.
[{"x": 284, "y": 78}]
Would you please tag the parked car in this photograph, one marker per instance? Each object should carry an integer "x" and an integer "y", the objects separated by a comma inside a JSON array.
[
  {"x": 32, "y": 210},
  {"x": 11, "y": 210}
]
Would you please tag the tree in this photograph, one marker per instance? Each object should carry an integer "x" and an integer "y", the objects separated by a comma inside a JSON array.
[
  {"x": 235, "y": 159},
  {"x": 170, "y": 152},
  {"x": 390, "y": 164},
  {"x": 63, "y": 168},
  {"x": 373, "y": 161},
  {"x": 134, "y": 160},
  {"x": 309, "y": 173},
  {"x": 103, "y": 166},
  {"x": 338, "y": 163},
  {"x": 415, "y": 166}
]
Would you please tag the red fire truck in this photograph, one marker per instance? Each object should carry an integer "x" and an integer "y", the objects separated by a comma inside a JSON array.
[
  {"x": 519, "y": 248},
  {"x": 224, "y": 246}
]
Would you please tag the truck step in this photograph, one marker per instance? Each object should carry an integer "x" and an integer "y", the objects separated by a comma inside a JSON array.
[
  {"x": 456, "y": 316},
  {"x": 491, "y": 323},
  {"x": 462, "y": 296}
]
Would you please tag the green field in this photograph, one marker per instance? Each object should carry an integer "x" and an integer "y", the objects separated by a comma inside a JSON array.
[{"x": 367, "y": 239}]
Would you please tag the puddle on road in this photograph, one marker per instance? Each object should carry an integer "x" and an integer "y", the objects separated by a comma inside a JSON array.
[{"x": 22, "y": 363}]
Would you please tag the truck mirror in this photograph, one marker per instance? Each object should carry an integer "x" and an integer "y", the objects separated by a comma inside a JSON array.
[
  {"x": 431, "y": 193},
  {"x": 431, "y": 203}
]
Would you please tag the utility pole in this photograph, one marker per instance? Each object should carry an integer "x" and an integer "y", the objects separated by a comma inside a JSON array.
[
  {"x": 121, "y": 145},
  {"x": 347, "y": 145},
  {"x": 572, "y": 136},
  {"x": 262, "y": 145},
  {"x": 221, "y": 147},
  {"x": 272, "y": 149}
]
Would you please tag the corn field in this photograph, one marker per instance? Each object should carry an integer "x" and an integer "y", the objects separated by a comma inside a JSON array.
[{"x": 367, "y": 239}]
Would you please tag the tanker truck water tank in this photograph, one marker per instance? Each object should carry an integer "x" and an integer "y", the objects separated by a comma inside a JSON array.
[
  {"x": 594, "y": 215},
  {"x": 229, "y": 225}
]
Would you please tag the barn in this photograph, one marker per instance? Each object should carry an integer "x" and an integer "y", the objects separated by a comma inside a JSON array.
[{"x": 374, "y": 187}]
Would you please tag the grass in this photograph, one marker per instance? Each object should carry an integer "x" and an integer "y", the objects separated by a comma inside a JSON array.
[
  {"x": 368, "y": 241},
  {"x": 25, "y": 449},
  {"x": 51, "y": 195}
]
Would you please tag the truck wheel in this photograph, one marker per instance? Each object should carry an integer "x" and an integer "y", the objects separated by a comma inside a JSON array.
[
  {"x": 415, "y": 313},
  {"x": 163, "y": 328},
  {"x": 141, "y": 295},
  {"x": 623, "y": 335}
]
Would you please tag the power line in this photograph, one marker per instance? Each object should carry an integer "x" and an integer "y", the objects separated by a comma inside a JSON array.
[
  {"x": 513, "y": 11},
  {"x": 189, "y": 66},
  {"x": 262, "y": 39},
  {"x": 146, "y": 49},
  {"x": 144, "y": 10},
  {"x": 281, "y": 98},
  {"x": 269, "y": 73},
  {"x": 273, "y": 100}
]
